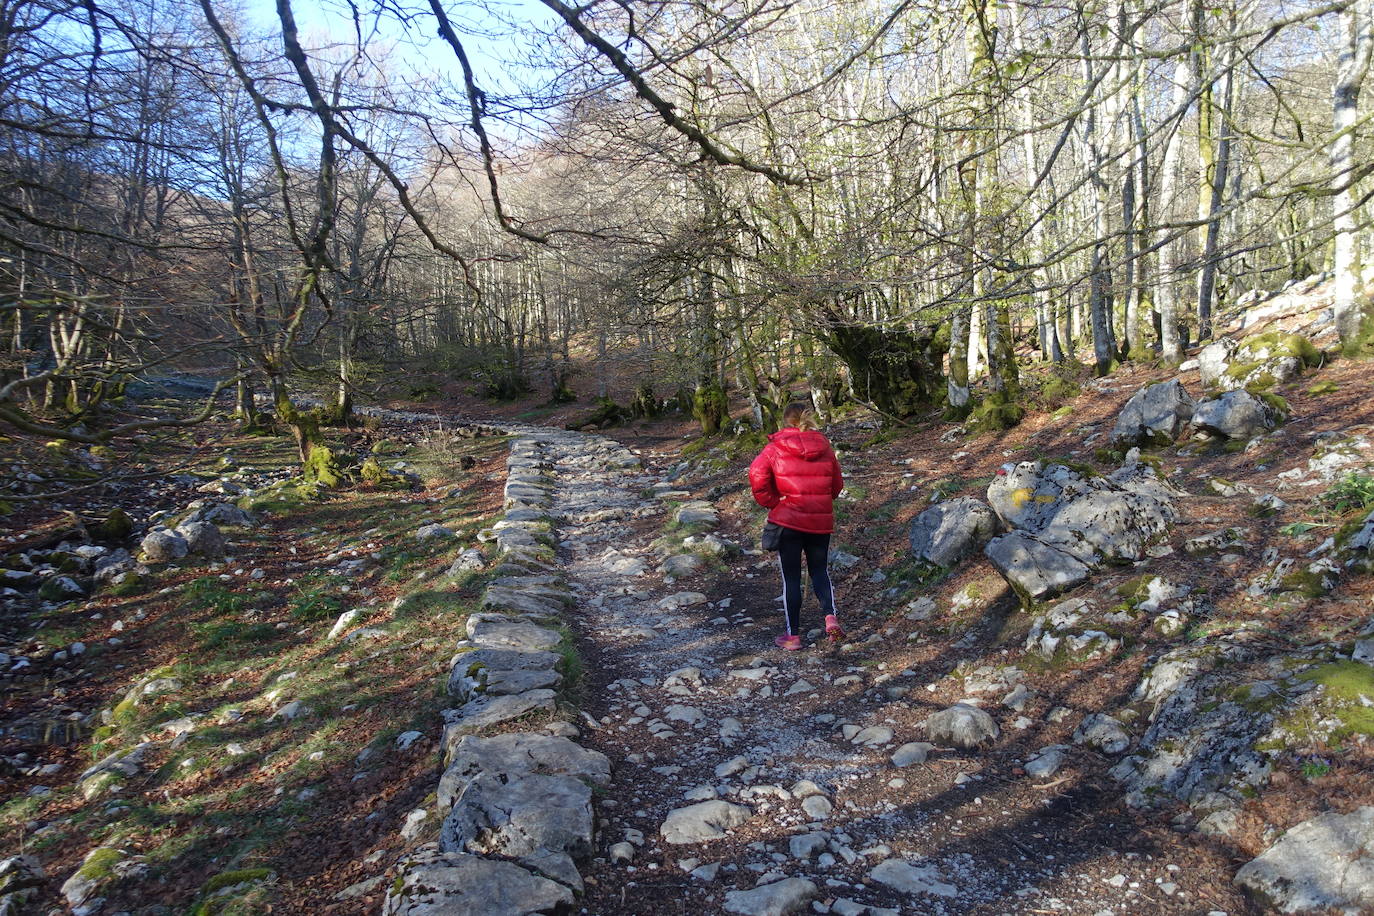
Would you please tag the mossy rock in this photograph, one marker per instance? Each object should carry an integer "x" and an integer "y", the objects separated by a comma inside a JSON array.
[
  {"x": 1323, "y": 387},
  {"x": 116, "y": 527},
  {"x": 1307, "y": 583},
  {"x": 1282, "y": 343},
  {"x": 995, "y": 413},
  {"x": 100, "y": 864},
  {"x": 132, "y": 584}
]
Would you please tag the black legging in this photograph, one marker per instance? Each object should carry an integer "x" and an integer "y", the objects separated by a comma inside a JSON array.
[{"x": 791, "y": 545}]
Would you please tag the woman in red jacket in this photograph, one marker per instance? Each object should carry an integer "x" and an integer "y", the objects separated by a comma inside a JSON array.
[{"x": 797, "y": 477}]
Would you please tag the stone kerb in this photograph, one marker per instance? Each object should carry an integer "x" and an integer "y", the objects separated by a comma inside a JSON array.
[{"x": 515, "y": 807}]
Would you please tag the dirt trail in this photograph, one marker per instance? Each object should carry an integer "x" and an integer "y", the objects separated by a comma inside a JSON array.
[{"x": 685, "y": 693}]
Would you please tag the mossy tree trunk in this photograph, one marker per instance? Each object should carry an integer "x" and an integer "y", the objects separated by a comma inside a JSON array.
[{"x": 899, "y": 372}]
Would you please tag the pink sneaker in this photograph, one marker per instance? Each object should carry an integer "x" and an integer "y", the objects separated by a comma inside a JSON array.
[
  {"x": 790, "y": 643},
  {"x": 833, "y": 628}
]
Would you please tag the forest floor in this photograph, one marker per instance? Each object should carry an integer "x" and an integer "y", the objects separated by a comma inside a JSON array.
[{"x": 311, "y": 811}]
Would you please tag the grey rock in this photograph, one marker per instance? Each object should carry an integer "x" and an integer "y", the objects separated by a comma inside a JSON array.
[
  {"x": 1065, "y": 631},
  {"x": 202, "y": 539},
  {"x": 1066, "y": 525},
  {"x": 962, "y": 726},
  {"x": 806, "y": 845},
  {"x": 621, "y": 853},
  {"x": 777, "y": 899},
  {"x": 697, "y": 513},
  {"x": 432, "y": 532},
  {"x": 21, "y": 878},
  {"x": 494, "y": 710},
  {"x": 491, "y": 631},
  {"x": 162, "y": 546},
  {"x": 817, "y": 807},
  {"x": 520, "y": 817},
  {"x": 434, "y": 883},
  {"x": 1326, "y": 863},
  {"x": 1236, "y": 415},
  {"x": 872, "y": 736},
  {"x": 682, "y": 565},
  {"x": 518, "y": 754},
  {"x": 293, "y": 710},
  {"x": 1214, "y": 359},
  {"x": 220, "y": 513},
  {"x": 703, "y": 822},
  {"x": 949, "y": 531},
  {"x": 908, "y": 878},
  {"x": 469, "y": 559},
  {"x": 502, "y": 671},
  {"x": 911, "y": 754},
  {"x": 1154, "y": 415},
  {"x": 1104, "y": 733},
  {"x": 1046, "y": 761},
  {"x": 1037, "y": 568},
  {"x": 97, "y": 870}
]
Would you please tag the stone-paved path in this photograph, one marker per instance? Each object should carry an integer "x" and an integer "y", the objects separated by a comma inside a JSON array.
[
  {"x": 756, "y": 781},
  {"x": 742, "y": 779}
]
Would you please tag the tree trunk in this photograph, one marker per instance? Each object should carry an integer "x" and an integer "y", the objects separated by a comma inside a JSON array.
[{"x": 1352, "y": 312}]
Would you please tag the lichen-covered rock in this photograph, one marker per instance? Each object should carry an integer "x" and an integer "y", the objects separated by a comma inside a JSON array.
[
  {"x": 1237, "y": 415},
  {"x": 1102, "y": 732},
  {"x": 1326, "y": 863},
  {"x": 434, "y": 883},
  {"x": 502, "y": 671},
  {"x": 1155, "y": 415},
  {"x": 1207, "y": 726},
  {"x": 949, "y": 531},
  {"x": 1066, "y": 525},
  {"x": 518, "y": 754},
  {"x": 1065, "y": 631},
  {"x": 219, "y": 513},
  {"x": 518, "y": 816},
  {"x": 1213, "y": 360},
  {"x": 21, "y": 877},
  {"x": 963, "y": 726}
]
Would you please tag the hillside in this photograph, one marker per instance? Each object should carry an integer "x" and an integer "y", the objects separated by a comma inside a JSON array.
[{"x": 514, "y": 668}]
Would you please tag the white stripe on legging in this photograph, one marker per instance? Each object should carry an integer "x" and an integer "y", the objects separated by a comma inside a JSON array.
[{"x": 786, "y": 617}]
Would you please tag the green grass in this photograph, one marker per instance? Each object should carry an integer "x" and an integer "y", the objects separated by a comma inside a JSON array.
[{"x": 210, "y": 593}]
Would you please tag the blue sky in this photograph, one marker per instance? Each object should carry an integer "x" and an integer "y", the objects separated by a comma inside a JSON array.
[{"x": 495, "y": 34}]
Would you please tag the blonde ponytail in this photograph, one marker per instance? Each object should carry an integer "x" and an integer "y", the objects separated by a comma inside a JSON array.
[{"x": 800, "y": 415}]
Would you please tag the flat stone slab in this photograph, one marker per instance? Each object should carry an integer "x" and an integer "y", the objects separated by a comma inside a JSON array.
[
  {"x": 518, "y": 754},
  {"x": 499, "y": 598},
  {"x": 790, "y": 895},
  {"x": 434, "y": 883},
  {"x": 703, "y": 822},
  {"x": 493, "y": 710},
  {"x": 502, "y": 671},
  {"x": 520, "y": 817},
  {"x": 1326, "y": 863},
  {"x": 912, "y": 879},
  {"x": 493, "y": 631}
]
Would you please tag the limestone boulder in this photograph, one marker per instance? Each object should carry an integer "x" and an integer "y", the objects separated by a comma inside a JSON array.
[
  {"x": 949, "y": 531},
  {"x": 1065, "y": 524},
  {"x": 1155, "y": 415},
  {"x": 515, "y": 755},
  {"x": 203, "y": 539},
  {"x": 520, "y": 816},
  {"x": 1237, "y": 415},
  {"x": 780, "y": 898},
  {"x": 162, "y": 545},
  {"x": 1323, "y": 864}
]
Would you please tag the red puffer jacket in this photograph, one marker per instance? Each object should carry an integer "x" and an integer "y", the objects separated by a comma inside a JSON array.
[{"x": 797, "y": 477}]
